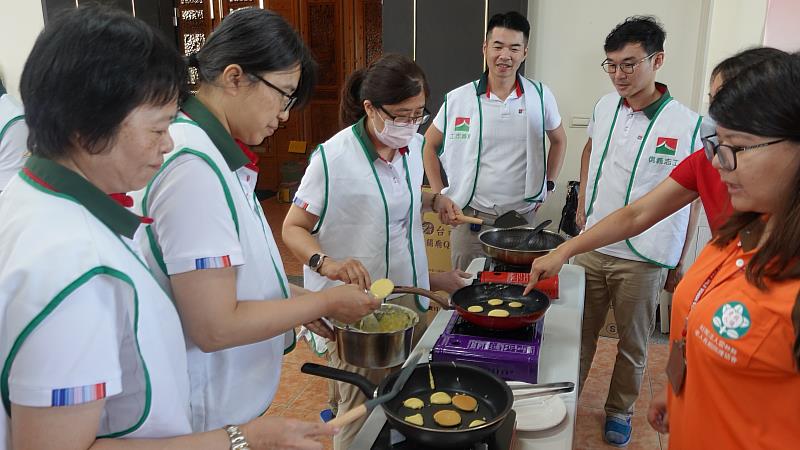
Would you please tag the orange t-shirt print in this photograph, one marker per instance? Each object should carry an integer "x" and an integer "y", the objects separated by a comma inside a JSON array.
[{"x": 742, "y": 388}]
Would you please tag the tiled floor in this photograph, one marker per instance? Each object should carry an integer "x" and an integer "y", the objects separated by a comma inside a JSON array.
[{"x": 304, "y": 396}]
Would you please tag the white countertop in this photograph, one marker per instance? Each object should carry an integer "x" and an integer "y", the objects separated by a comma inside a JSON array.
[{"x": 558, "y": 361}]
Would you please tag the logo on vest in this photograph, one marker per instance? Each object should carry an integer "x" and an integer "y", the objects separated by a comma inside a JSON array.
[
  {"x": 732, "y": 320},
  {"x": 460, "y": 128},
  {"x": 666, "y": 146}
]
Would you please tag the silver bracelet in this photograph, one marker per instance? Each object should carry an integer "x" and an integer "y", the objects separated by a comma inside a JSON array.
[{"x": 238, "y": 442}]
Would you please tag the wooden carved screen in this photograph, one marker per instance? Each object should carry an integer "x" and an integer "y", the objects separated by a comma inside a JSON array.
[
  {"x": 194, "y": 24},
  {"x": 229, "y": 6}
]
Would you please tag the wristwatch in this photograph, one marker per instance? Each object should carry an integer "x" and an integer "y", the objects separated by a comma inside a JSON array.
[
  {"x": 238, "y": 442},
  {"x": 551, "y": 185},
  {"x": 315, "y": 262}
]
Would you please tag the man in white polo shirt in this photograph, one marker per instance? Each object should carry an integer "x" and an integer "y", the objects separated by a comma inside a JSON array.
[
  {"x": 489, "y": 136},
  {"x": 637, "y": 135},
  {"x": 13, "y": 137}
]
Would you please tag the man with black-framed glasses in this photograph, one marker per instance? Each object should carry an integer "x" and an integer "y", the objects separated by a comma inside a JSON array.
[{"x": 637, "y": 135}]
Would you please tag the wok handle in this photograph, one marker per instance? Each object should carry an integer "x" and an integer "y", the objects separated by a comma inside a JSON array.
[
  {"x": 361, "y": 382},
  {"x": 468, "y": 219},
  {"x": 349, "y": 416},
  {"x": 442, "y": 301}
]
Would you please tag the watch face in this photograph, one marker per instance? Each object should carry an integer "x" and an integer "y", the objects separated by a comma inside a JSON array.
[
  {"x": 314, "y": 261},
  {"x": 551, "y": 185}
]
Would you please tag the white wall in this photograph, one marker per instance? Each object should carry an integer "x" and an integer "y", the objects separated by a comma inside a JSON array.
[
  {"x": 566, "y": 49},
  {"x": 20, "y": 24}
]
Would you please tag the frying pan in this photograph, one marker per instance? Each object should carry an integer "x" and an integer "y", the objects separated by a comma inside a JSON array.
[
  {"x": 508, "y": 246},
  {"x": 534, "y": 304},
  {"x": 493, "y": 395}
]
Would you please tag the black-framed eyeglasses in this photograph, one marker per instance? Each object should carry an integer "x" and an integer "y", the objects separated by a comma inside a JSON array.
[
  {"x": 609, "y": 67},
  {"x": 404, "y": 121},
  {"x": 726, "y": 154},
  {"x": 289, "y": 99}
]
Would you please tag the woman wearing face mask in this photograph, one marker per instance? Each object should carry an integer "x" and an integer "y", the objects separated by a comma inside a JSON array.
[
  {"x": 357, "y": 213},
  {"x": 210, "y": 244}
]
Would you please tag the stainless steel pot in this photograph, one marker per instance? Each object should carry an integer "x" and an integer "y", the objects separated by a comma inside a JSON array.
[
  {"x": 376, "y": 350},
  {"x": 502, "y": 244}
]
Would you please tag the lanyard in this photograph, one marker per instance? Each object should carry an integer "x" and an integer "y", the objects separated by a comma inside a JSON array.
[{"x": 702, "y": 291}]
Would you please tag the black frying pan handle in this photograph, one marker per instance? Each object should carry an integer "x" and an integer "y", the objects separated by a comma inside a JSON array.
[{"x": 362, "y": 383}]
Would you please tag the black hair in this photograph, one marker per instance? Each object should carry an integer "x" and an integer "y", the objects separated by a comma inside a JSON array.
[
  {"x": 89, "y": 68},
  {"x": 644, "y": 30},
  {"x": 511, "y": 20},
  {"x": 764, "y": 100},
  {"x": 389, "y": 80},
  {"x": 259, "y": 41},
  {"x": 731, "y": 66}
]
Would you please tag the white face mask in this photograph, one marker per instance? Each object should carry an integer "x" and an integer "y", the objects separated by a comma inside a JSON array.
[{"x": 394, "y": 136}]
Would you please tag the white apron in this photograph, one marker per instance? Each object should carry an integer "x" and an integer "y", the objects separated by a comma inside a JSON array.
[
  {"x": 354, "y": 221},
  {"x": 37, "y": 275},
  {"x": 237, "y": 384},
  {"x": 677, "y": 128},
  {"x": 462, "y": 142}
]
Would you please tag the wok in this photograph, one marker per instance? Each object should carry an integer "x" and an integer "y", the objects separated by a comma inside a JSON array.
[
  {"x": 507, "y": 245},
  {"x": 534, "y": 304},
  {"x": 493, "y": 395}
]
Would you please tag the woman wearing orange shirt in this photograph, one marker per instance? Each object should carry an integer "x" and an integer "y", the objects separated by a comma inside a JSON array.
[{"x": 735, "y": 346}]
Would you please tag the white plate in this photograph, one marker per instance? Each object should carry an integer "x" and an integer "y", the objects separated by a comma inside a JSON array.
[{"x": 539, "y": 413}]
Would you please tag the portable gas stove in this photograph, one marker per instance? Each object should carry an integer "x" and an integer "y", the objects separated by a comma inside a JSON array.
[
  {"x": 510, "y": 354},
  {"x": 502, "y": 439}
]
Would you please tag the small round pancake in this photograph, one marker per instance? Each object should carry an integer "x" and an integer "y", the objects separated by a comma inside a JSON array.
[
  {"x": 475, "y": 308},
  {"x": 413, "y": 403},
  {"x": 440, "y": 398},
  {"x": 447, "y": 418},
  {"x": 515, "y": 305},
  {"x": 476, "y": 423},
  {"x": 495, "y": 301},
  {"x": 381, "y": 289},
  {"x": 465, "y": 402},
  {"x": 416, "y": 419},
  {"x": 498, "y": 313}
]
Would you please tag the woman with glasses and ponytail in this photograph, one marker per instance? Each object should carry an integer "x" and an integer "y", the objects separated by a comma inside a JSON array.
[
  {"x": 357, "y": 213},
  {"x": 210, "y": 245},
  {"x": 734, "y": 364}
]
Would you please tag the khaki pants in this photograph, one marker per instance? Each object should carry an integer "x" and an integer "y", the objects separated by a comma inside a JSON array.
[
  {"x": 632, "y": 288},
  {"x": 348, "y": 395},
  {"x": 464, "y": 243}
]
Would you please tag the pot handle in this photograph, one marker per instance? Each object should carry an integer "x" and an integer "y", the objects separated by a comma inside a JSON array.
[
  {"x": 366, "y": 386},
  {"x": 444, "y": 302}
]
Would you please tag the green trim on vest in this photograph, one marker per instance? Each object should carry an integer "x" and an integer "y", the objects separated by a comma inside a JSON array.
[
  {"x": 52, "y": 305},
  {"x": 103, "y": 207},
  {"x": 228, "y": 199},
  {"x": 8, "y": 124},
  {"x": 383, "y": 195},
  {"x": 694, "y": 133},
  {"x": 226, "y": 145},
  {"x": 411, "y": 227},
  {"x": 540, "y": 91},
  {"x": 603, "y": 159},
  {"x": 440, "y": 150},
  {"x": 633, "y": 175},
  {"x": 261, "y": 216},
  {"x": 480, "y": 148},
  {"x": 321, "y": 150}
]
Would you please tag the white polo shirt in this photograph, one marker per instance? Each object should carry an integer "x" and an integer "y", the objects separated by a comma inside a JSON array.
[
  {"x": 501, "y": 180},
  {"x": 206, "y": 216},
  {"x": 81, "y": 317},
  {"x": 392, "y": 175},
  {"x": 13, "y": 138},
  {"x": 629, "y": 130}
]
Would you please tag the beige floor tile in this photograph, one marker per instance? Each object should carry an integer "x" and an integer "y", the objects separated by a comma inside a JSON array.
[{"x": 589, "y": 431}]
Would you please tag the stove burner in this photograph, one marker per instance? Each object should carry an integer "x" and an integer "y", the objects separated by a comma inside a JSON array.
[
  {"x": 526, "y": 334},
  {"x": 502, "y": 439},
  {"x": 492, "y": 265}
]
